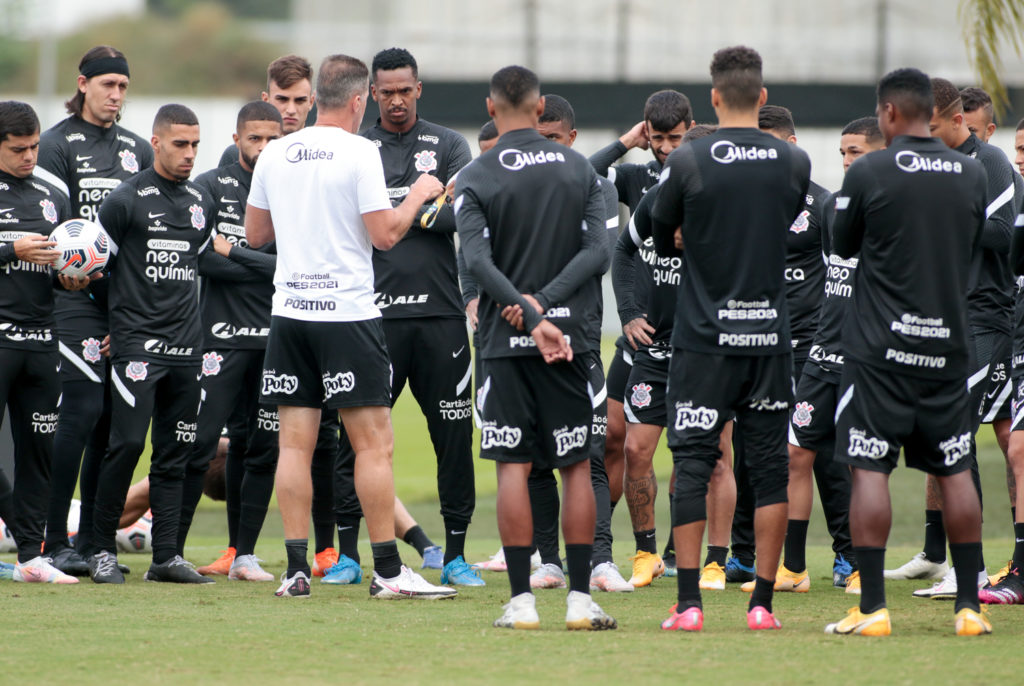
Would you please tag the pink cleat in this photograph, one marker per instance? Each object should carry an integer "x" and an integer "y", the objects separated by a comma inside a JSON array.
[
  {"x": 690, "y": 620},
  {"x": 760, "y": 618}
]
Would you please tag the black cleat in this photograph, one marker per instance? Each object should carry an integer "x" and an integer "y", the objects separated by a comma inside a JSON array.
[
  {"x": 177, "y": 570},
  {"x": 103, "y": 569},
  {"x": 67, "y": 560}
]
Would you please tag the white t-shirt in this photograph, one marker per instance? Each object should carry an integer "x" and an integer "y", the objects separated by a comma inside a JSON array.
[{"x": 317, "y": 183}]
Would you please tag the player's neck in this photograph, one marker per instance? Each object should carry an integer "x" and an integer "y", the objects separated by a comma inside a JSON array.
[
  {"x": 88, "y": 119},
  {"x": 399, "y": 128},
  {"x": 736, "y": 119},
  {"x": 514, "y": 122}
]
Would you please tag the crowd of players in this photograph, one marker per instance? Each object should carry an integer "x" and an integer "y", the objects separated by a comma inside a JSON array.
[{"x": 288, "y": 303}]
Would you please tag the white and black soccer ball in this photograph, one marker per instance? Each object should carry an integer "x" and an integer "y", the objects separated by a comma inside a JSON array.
[
  {"x": 7, "y": 544},
  {"x": 83, "y": 245},
  {"x": 137, "y": 537}
]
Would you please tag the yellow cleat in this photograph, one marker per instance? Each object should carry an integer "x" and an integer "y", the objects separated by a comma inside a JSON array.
[
  {"x": 853, "y": 583},
  {"x": 971, "y": 623},
  {"x": 712, "y": 577},
  {"x": 994, "y": 579},
  {"x": 646, "y": 566},
  {"x": 855, "y": 622},
  {"x": 785, "y": 581}
]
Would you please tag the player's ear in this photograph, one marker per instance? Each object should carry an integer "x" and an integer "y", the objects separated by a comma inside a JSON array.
[
  {"x": 490, "y": 108},
  {"x": 235, "y": 138},
  {"x": 265, "y": 96},
  {"x": 572, "y": 136},
  {"x": 312, "y": 98},
  {"x": 373, "y": 93},
  {"x": 419, "y": 89},
  {"x": 762, "y": 98},
  {"x": 81, "y": 83},
  {"x": 540, "y": 107},
  {"x": 716, "y": 100}
]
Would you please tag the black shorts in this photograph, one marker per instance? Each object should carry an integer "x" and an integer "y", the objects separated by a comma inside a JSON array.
[
  {"x": 535, "y": 412},
  {"x": 81, "y": 359},
  {"x": 618, "y": 374},
  {"x": 326, "y": 364},
  {"x": 645, "y": 392},
  {"x": 879, "y": 412},
  {"x": 996, "y": 404},
  {"x": 988, "y": 372},
  {"x": 812, "y": 423}
]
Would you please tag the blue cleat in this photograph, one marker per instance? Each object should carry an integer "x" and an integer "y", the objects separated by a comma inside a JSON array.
[
  {"x": 6, "y": 570},
  {"x": 433, "y": 557},
  {"x": 737, "y": 572},
  {"x": 459, "y": 573},
  {"x": 841, "y": 569},
  {"x": 344, "y": 571},
  {"x": 670, "y": 564}
]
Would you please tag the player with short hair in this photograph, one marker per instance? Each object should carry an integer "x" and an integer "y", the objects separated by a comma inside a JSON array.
[
  {"x": 731, "y": 349},
  {"x": 915, "y": 214},
  {"x": 535, "y": 264},
  {"x": 86, "y": 155},
  {"x": 323, "y": 187},
  {"x": 157, "y": 222},
  {"x": 979, "y": 115},
  {"x": 1018, "y": 146}
]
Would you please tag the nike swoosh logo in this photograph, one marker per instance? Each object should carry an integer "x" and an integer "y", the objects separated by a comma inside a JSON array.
[
  {"x": 7, "y": 209},
  {"x": 458, "y": 352},
  {"x": 80, "y": 158},
  {"x": 457, "y": 533},
  {"x": 154, "y": 216},
  {"x": 225, "y": 200},
  {"x": 593, "y": 365}
]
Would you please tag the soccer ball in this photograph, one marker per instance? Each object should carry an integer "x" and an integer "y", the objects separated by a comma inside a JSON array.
[
  {"x": 137, "y": 537},
  {"x": 83, "y": 245},
  {"x": 74, "y": 516},
  {"x": 7, "y": 544}
]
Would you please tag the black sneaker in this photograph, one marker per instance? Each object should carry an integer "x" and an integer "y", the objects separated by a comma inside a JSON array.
[
  {"x": 67, "y": 560},
  {"x": 738, "y": 573},
  {"x": 103, "y": 568},
  {"x": 176, "y": 571}
]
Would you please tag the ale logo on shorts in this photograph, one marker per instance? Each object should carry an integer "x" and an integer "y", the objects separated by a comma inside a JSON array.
[
  {"x": 801, "y": 223},
  {"x": 641, "y": 397},
  {"x": 688, "y": 417},
  {"x": 198, "y": 220},
  {"x": 956, "y": 448},
  {"x": 278, "y": 383},
  {"x": 128, "y": 161},
  {"x": 862, "y": 445},
  {"x": 500, "y": 437},
  {"x": 567, "y": 439},
  {"x": 49, "y": 211},
  {"x": 211, "y": 363},
  {"x": 137, "y": 371},
  {"x": 342, "y": 382},
  {"x": 426, "y": 160},
  {"x": 802, "y": 414},
  {"x": 91, "y": 350}
]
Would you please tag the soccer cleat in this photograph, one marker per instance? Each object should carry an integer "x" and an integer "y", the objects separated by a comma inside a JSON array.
[
  {"x": 103, "y": 568},
  {"x": 324, "y": 560},
  {"x": 690, "y": 620},
  {"x": 943, "y": 589},
  {"x": 247, "y": 568},
  {"x": 606, "y": 577},
  {"x": 221, "y": 566},
  {"x": 760, "y": 619},
  {"x": 38, "y": 570},
  {"x": 583, "y": 614},
  {"x": 295, "y": 586},
  {"x": 548, "y": 576},
  {"x": 670, "y": 564},
  {"x": 994, "y": 579},
  {"x": 919, "y": 567},
  {"x": 433, "y": 558},
  {"x": 855, "y": 622},
  {"x": 646, "y": 567},
  {"x": 520, "y": 613},
  {"x": 177, "y": 570},
  {"x": 6, "y": 570},
  {"x": 785, "y": 582},
  {"x": 738, "y": 573},
  {"x": 853, "y": 583},
  {"x": 712, "y": 577},
  {"x": 496, "y": 563},
  {"x": 971, "y": 623},
  {"x": 67, "y": 560},
  {"x": 841, "y": 569},
  {"x": 1009, "y": 591},
  {"x": 458, "y": 573},
  {"x": 345, "y": 571},
  {"x": 408, "y": 584},
  {"x": 535, "y": 561}
]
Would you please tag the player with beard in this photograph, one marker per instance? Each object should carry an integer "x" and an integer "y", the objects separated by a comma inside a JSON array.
[
  {"x": 157, "y": 223},
  {"x": 86, "y": 155},
  {"x": 979, "y": 115}
]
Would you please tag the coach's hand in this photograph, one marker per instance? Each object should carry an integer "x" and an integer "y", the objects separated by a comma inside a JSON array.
[
  {"x": 427, "y": 187},
  {"x": 471, "y": 312},
  {"x": 638, "y": 331},
  {"x": 551, "y": 343},
  {"x": 36, "y": 249}
]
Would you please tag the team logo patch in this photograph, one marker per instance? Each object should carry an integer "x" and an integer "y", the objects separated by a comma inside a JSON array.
[
  {"x": 198, "y": 220},
  {"x": 49, "y": 211},
  {"x": 802, "y": 414},
  {"x": 955, "y": 448},
  {"x": 128, "y": 161},
  {"x": 426, "y": 160},
  {"x": 801, "y": 223},
  {"x": 91, "y": 350},
  {"x": 137, "y": 371},
  {"x": 641, "y": 397},
  {"x": 211, "y": 363}
]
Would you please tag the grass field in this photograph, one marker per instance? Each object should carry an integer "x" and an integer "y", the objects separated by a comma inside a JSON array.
[{"x": 234, "y": 633}]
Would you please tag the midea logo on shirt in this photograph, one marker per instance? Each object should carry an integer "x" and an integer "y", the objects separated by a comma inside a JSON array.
[
  {"x": 514, "y": 160},
  {"x": 298, "y": 152}
]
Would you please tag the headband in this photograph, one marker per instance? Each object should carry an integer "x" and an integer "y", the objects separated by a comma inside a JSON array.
[{"x": 105, "y": 65}]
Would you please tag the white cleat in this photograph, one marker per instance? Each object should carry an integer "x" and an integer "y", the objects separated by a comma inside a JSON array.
[
  {"x": 247, "y": 568},
  {"x": 583, "y": 614},
  {"x": 520, "y": 613},
  {"x": 919, "y": 567},
  {"x": 548, "y": 576},
  {"x": 38, "y": 570},
  {"x": 606, "y": 577},
  {"x": 408, "y": 584}
]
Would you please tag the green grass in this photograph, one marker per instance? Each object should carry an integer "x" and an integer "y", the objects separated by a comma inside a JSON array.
[{"x": 233, "y": 633}]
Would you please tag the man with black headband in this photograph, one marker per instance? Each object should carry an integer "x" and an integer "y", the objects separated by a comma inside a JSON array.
[{"x": 86, "y": 156}]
